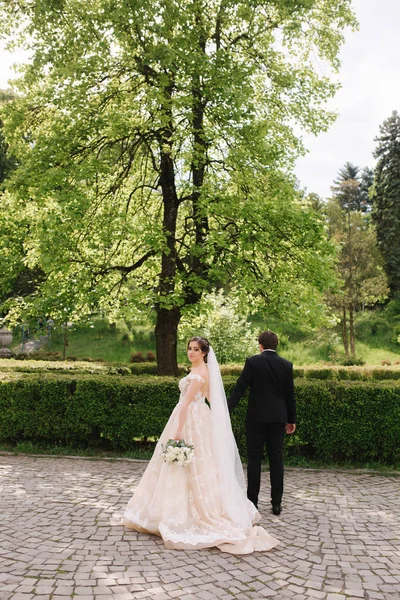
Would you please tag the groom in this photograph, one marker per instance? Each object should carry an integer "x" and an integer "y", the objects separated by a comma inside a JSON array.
[{"x": 271, "y": 411}]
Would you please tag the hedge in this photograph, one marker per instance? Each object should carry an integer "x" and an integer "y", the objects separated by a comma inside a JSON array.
[
  {"x": 336, "y": 419},
  {"x": 336, "y": 373}
]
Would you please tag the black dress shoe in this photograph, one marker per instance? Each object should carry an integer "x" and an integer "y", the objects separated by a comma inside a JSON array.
[{"x": 277, "y": 509}]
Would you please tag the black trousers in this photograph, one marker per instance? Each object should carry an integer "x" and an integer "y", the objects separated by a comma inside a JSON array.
[{"x": 271, "y": 435}]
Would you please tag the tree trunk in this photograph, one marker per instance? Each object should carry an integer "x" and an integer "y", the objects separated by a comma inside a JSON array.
[
  {"x": 344, "y": 332},
  {"x": 65, "y": 340},
  {"x": 166, "y": 340},
  {"x": 352, "y": 336}
]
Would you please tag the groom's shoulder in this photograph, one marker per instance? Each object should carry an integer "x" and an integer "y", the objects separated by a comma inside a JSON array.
[
  {"x": 273, "y": 356},
  {"x": 255, "y": 358},
  {"x": 288, "y": 365}
]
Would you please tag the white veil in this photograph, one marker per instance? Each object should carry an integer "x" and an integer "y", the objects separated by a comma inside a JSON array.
[{"x": 230, "y": 470}]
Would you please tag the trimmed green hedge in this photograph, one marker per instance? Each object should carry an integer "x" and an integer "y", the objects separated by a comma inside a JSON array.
[
  {"x": 359, "y": 421},
  {"x": 93, "y": 368},
  {"x": 335, "y": 373},
  {"x": 346, "y": 420}
]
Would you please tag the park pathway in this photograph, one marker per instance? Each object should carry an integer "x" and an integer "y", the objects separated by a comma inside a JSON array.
[{"x": 339, "y": 532}]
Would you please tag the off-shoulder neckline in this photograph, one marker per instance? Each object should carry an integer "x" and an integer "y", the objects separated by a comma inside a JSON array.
[{"x": 197, "y": 376}]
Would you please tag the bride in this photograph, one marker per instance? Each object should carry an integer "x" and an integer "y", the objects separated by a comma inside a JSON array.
[{"x": 204, "y": 503}]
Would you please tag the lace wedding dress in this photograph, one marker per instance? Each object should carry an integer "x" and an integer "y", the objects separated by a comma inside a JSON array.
[{"x": 187, "y": 506}]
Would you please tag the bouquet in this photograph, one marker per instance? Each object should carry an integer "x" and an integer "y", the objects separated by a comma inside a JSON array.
[{"x": 177, "y": 452}]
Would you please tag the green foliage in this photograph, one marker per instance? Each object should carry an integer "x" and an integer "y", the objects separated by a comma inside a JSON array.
[
  {"x": 97, "y": 340},
  {"x": 386, "y": 198},
  {"x": 359, "y": 264},
  {"x": 379, "y": 329},
  {"x": 218, "y": 319},
  {"x": 84, "y": 410},
  {"x": 352, "y": 420},
  {"x": 7, "y": 162},
  {"x": 357, "y": 421},
  {"x": 9, "y": 366},
  {"x": 155, "y": 142},
  {"x": 352, "y": 187}
]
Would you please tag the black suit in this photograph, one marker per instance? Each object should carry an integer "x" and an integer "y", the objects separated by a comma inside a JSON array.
[{"x": 271, "y": 405}]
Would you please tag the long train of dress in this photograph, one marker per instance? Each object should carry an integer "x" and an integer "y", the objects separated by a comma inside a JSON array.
[{"x": 184, "y": 505}]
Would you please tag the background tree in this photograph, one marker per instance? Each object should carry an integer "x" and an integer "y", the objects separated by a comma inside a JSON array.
[
  {"x": 359, "y": 267},
  {"x": 386, "y": 198},
  {"x": 366, "y": 183},
  {"x": 352, "y": 186},
  {"x": 156, "y": 138}
]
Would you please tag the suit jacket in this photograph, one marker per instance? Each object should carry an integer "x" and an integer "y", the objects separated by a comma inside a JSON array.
[{"x": 271, "y": 398}]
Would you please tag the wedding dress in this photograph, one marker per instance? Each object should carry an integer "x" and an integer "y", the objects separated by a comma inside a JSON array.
[{"x": 204, "y": 503}]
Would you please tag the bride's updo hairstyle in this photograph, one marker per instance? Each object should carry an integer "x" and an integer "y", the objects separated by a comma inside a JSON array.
[{"x": 203, "y": 343}]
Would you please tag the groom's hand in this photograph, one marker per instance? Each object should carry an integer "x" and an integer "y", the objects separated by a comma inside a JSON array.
[{"x": 290, "y": 427}]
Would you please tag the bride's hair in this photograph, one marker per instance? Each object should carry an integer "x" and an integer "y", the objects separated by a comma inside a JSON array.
[{"x": 203, "y": 343}]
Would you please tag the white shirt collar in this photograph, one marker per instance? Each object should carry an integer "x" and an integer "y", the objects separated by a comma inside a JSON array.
[{"x": 269, "y": 350}]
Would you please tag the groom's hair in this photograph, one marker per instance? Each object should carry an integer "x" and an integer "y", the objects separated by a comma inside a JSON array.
[{"x": 268, "y": 340}]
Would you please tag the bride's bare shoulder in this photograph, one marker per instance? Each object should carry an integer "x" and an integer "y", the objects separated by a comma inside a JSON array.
[
  {"x": 204, "y": 374},
  {"x": 200, "y": 373}
]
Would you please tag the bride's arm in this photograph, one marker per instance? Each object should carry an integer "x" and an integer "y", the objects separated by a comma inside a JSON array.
[{"x": 193, "y": 389}]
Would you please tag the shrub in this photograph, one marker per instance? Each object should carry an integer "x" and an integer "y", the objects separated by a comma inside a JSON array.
[
  {"x": 381, "y": 374},
  {"x": 319, "y": 373},
  {"x": 220, "y": 319},
  {"x": 350, "y": 420},
  {"x": 352, "y": 360},
  {"x": 151, "y": 357},
  {"x": 143, "y": 368},
  {"x": 137, "y": 357},
  {"x": 336, "y": 419}
]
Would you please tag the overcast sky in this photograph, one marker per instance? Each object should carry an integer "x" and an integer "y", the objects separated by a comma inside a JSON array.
[{"x": 370, "y": 78}]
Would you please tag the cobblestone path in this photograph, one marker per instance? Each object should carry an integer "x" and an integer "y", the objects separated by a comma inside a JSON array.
[{"x": 339, "y": 532}]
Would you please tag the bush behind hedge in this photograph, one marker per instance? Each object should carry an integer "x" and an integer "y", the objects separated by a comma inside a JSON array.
[{"x": 346, "y": 420}]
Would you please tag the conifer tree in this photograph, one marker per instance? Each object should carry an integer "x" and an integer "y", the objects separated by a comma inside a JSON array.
[
  {"x": 386, "y": 198},
  {"x": 352, "y": 187}
]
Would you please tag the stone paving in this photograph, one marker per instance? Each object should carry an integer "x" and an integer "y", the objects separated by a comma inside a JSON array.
[{"x": 339, "y": 532}]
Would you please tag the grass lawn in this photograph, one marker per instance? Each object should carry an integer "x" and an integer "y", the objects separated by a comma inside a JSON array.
[
  {"x": 375, "y": 343},
  {"x": 100, "y": 342},
  {"x": 303, "y": 354}
]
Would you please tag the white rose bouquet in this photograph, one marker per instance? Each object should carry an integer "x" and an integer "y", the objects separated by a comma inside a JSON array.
[{"x": 177, "y": 452}]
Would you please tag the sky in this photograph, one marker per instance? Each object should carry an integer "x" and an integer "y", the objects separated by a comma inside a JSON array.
[
  {"x": 370, "y": 79},
  {"x": 370, "y": 92}
]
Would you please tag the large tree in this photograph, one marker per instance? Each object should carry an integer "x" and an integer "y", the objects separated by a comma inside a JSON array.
[
  {"x": 156, "y": 137},
  {"x": 386, "y": 198}
]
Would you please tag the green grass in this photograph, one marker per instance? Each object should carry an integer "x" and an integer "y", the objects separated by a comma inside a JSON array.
[
  {"x": 304, "y": 354},
  {"x": 141, "y": 451},
  {"x": 144, "y": 451},
  {"x": 101, "y": 342},
  {"x": 376, "y": 341}
]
